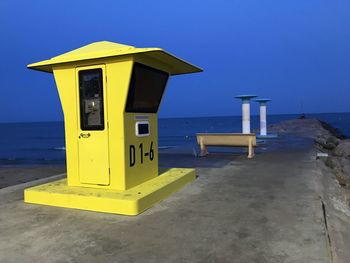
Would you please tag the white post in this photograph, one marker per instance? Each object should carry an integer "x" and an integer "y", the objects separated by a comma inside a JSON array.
[
  {"x": 263, "y": 130},
  {"x": 245, "y": 112},
  {"x": 263, "y": 122},
  {"x": 245, "y": 116}
]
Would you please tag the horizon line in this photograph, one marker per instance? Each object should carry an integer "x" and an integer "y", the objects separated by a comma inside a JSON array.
[{"x": 191, "y": 117}]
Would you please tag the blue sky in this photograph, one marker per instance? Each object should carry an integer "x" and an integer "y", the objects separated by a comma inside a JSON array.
[{"x": 296, "y": 52}]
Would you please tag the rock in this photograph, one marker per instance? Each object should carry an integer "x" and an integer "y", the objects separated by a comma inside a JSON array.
[
  {"x": 343, "y": 180},
  {"x": 343, "y": 149},
  {"x": 333, "y": 140},
  {"x": 330, "y": 146},
  {"x": 310, "y": 128},
  {"x": 341, "y": 168},
  {"x": 321, "y": 140},
  {"x": 331, "y": 162},
  {"x": 345, "y": 167},
  {"x": 334, "y": 131},
  {"x": 326, "y": 141}
]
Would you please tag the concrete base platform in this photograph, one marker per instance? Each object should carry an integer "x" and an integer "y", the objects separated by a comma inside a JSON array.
[{"x": 130, "y": 202}]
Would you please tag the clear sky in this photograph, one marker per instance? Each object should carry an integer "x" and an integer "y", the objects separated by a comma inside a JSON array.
[{"x": 296, "y": 52}]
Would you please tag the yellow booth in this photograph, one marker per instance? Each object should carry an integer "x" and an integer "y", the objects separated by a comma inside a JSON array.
[{"x": 110, "y": 95}]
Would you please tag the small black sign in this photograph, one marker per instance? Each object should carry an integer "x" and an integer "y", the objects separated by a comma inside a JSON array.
[{"x": 143, "y": 128}]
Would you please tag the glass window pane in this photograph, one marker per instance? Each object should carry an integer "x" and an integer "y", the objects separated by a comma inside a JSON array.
[
  {"x": 91, "y": 99},
  {"x": 146, "y": 89}
]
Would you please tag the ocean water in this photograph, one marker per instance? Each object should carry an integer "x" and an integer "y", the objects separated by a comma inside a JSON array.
[{"x": 43, "y": 143}]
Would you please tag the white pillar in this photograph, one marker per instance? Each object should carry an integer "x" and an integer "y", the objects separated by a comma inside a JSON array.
[
  {"x": 245, "y": 116},
  {"x": 245, "y": 112},
  {"x": 263, "y": 130}
]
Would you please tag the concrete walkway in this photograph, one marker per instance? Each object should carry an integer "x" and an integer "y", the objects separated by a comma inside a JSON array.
[{"x": 262, "y": 210}]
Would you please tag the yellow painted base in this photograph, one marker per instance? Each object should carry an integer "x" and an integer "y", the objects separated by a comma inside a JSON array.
[{"x": 129, "y": 202}]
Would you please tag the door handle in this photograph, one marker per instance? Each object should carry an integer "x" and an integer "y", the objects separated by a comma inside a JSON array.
[{"x": 84, "y": 135}]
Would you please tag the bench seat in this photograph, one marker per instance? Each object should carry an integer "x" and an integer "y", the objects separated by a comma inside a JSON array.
[{"x": 226, "y": 139}]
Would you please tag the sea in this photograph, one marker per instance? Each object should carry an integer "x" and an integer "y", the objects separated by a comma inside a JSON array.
[{"x": 42, "y": 143}]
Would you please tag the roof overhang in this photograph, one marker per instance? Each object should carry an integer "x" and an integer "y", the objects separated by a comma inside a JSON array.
[{"x": 100, "y": 50}]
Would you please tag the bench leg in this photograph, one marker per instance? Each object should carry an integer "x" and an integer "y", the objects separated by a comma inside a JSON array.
[
  {"x": 204, "y": 150},
  {"x": 250, "y": 150}
]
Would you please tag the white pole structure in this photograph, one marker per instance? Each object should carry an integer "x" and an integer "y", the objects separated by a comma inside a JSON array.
[
  {"x": 245, "y": 112},
  {"x": 263, "y": 124}
]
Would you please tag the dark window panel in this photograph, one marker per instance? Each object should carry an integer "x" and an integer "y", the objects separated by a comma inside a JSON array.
[
  {"x": 91, "y": 99},
  {"x": 146, "y": 89}
]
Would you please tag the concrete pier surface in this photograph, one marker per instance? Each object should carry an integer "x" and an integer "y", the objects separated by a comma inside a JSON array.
[
  {"x": 18, "y": 175},
  {"x": 267, "y": 209}
]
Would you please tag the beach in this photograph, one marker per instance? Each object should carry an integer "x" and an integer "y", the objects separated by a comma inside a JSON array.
[{"x": 284, "y": 205}]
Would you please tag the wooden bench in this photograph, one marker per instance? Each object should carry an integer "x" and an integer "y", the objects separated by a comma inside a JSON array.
[{"x": 226, "y": 139}]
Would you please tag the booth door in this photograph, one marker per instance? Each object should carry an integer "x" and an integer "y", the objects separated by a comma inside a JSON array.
[{"x": 93, "y": 129}]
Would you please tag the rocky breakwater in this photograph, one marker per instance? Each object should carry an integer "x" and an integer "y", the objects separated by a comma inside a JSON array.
[
  {"x": 327, "y": 139},
  {"x": 338, "y": 157}
]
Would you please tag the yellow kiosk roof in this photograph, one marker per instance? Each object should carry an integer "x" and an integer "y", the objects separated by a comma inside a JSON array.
[{"x": 104, "y": 49}]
